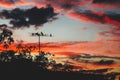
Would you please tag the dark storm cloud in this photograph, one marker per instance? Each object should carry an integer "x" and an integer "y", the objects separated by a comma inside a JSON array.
[
  {"x": 114, "y": 16},
  {"x": 87, "y": 58},
  {"x": 64, "y": 4},
  {"x": 9, "y": 1},
  {"x": 12, "y": 1},
  {"x": 105, "y": 62},
  {"x": 93, "y": 16},
  {"x": 3, "y": 25},
  {"x": 106, "y": 1},
  {"x": 67, "y": 5},
  {"x": 106, "y": 17},
  {"x": 24, "y": 18}
]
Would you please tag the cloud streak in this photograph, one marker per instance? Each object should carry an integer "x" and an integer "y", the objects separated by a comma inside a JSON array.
[
  {"x": 96, "y": 17},
  {"x": 106, "y": 1},
  {"x": 106, "y": 48}
]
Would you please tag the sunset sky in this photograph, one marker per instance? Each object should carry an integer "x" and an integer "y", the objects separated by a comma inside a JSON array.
[{"x": 77, "y": 26}]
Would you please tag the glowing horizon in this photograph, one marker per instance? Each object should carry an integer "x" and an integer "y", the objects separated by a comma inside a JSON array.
[{"x": 78, "y": 26}]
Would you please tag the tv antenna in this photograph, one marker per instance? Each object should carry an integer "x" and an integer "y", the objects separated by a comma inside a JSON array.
[{"x": 41, "y": 34}]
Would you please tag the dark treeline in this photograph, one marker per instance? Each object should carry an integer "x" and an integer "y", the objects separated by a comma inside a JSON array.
[{"x": 24, "y": 66}]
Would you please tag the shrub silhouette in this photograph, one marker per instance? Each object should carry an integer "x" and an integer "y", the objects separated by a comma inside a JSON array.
[{"x": 18, "y": 66}]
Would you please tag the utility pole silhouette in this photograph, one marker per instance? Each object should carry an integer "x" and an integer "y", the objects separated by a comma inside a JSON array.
[{"x": 39, "y": 35}]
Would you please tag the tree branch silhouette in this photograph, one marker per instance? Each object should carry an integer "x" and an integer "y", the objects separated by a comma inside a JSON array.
[{"x": 6, "y": 38}]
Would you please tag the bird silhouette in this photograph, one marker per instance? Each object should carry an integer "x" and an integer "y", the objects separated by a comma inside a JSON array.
[
  {"x": 42, "y": 34},
  {"x": 33, "y": 34},
  {"x": 37, "y": 34},
  {"x": 50, "y": 35}
]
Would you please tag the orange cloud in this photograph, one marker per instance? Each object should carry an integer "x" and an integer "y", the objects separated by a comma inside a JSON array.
[
  {"x": 107, "y": 48},
  {"x": 62, "y": 50},
  {"x": 10, "y": 3},
  {"x": 6, "y": 4}
]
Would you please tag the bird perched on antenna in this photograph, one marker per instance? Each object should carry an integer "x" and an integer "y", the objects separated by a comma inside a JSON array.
[
  {"x": 41, "y": 34},
  {"x": 50, "y": 35}
]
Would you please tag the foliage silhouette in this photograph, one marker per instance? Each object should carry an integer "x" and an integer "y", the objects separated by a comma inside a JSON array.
[
  {"x": 6, "y": 38},
  {"x": 34, "y": 68}
]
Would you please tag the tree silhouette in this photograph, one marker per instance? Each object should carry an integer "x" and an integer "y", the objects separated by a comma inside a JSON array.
[
  {"x": 5, "y": 45},
  {"x": 10, "y": 40},
  {"x": 67, "y": 67},
  {"x": 42, "y": 60},
  {"x": 19, "y": 47},
  {"x": 6, "y": 38},
  {"x": 62, "y": 67},
  {"x": 57, "y": 67},
  {"x": 7, "y": 56},
  {"x": 40, "y": 66},
  {"x": 29, "y": 49}
]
